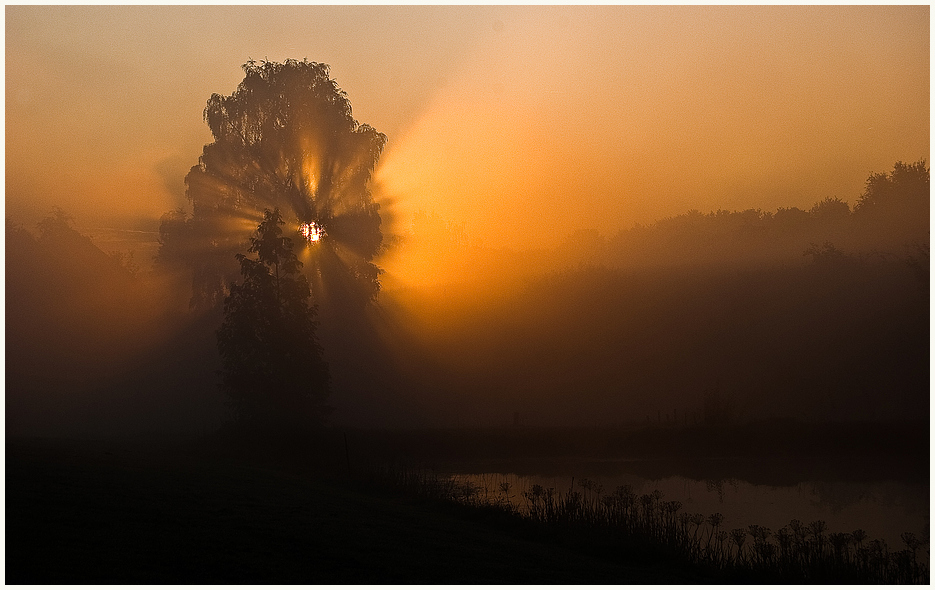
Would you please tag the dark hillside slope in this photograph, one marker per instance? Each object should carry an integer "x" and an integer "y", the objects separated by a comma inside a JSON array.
[{"x": 96, "y": 513}]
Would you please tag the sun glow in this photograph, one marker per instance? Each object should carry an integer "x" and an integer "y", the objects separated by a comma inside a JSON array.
[{"x": 311, "y": 231}]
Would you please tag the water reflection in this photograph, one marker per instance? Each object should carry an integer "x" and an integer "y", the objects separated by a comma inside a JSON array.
[{"x": 884, "y": 509}]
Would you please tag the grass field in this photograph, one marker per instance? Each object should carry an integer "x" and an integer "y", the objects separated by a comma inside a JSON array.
[
  {"x": 316, "y": 510},
  {"x": 115, "y": 513}
]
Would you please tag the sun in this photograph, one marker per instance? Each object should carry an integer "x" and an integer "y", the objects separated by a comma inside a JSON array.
[{"x": 311, "y": 231}]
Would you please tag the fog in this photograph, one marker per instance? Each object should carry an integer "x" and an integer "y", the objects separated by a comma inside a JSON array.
[
  {"x": 809, "y": 315},
  {"x": 761, "y": 314},
  {"x": 587, "y": 216},
  {"x": 611, "y": 115}
]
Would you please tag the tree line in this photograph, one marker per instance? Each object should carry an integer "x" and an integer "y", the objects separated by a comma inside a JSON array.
[{"x": 289, "y": 161}]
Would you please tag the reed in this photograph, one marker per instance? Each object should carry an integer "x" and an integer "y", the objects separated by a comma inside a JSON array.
[{"x": 621, "y": 519}]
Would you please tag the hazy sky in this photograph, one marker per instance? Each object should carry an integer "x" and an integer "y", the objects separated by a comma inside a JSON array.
[{"x": 524, "y": 123}]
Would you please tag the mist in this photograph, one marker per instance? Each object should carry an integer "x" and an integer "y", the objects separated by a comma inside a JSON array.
[
  {"x": 810, "y": 315},
  {"x": 559, "y": 189},
  {"x": 98, "y": 346},
  {"x": 477, "y": 294},
  {"x": 807, "y": 315},
  {"x": 605, "y": 117},
  {"x": 554, "y": 193},
  {"x": 612, "y": 115}
]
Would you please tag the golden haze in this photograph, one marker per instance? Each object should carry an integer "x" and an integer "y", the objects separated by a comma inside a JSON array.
[{"x": 522, "y": 123}]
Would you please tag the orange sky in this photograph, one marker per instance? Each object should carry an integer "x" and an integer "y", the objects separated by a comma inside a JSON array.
[{"x": 523, "y": 123}]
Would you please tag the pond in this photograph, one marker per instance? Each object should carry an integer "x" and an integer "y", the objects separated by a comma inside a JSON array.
[{"x": 885, "y": 505}]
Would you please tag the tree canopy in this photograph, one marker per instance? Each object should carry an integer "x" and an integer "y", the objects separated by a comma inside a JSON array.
[
  {"x": 273, "y": 371},
  {"x": 285, "y": 139},
  {"x": 905, "y": 187}
]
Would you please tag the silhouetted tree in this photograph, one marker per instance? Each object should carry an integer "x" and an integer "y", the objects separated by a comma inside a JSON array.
[
  {"x": 174, "y": 240},
  {"x": 905, "y": 186},
  {"x": 830, "y": 209},
  {"x": 284, "y": 139},
  {"x": 893, "y": 210},
  {"x": 273, "y": 369},
  {"x": 919, "y": 262},
  {"x": 826, "y": 256},
  {"x": 890, "y": 216}
]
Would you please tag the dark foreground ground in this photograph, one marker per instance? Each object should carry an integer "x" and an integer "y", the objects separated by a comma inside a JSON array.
[{"x": 123, "y": 513}]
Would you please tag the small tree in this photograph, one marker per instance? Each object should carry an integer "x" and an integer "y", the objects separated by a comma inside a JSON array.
[{"x": 273, "y": 371}]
